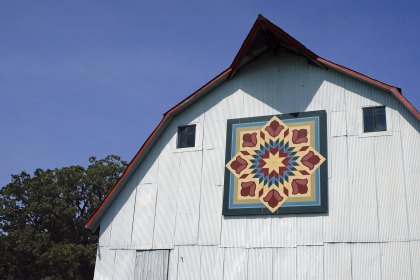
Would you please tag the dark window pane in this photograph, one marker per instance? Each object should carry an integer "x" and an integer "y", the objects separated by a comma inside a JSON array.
[
  {"x": 374, "y": 119},
  {"x": 380, "y": 119},
  {"x": 191, "y": 136},
  {"x": 368, "y": 120},
  {"x": 186, "y": 136}
]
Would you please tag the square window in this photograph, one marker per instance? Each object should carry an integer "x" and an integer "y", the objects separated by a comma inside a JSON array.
[
  {"x": 186, "y": 136},
  {"x": 374, "y": 119}
]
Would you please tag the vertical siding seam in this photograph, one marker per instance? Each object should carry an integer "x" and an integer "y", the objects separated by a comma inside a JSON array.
[
  {"x": 223, "y": 265},
  {"x": 177, "y": 197},
  {"x": 271, "y": 233},
  {"x": 272, "y": 262},
  {"x": 376, "y": 187},
  {"x": 296, "y": 260},
  {"x": 349, "y": 177},
  {"x": 156, "y": 197},
  {"x": 406, "y": 204},
  {"x": 177, "y": 264},
  {"x": 221, "y": 230},
  {"x": 380, "y": 257},
  {"x": 377, "y": 205},
  {"x": 113, "y": 267},
  {"x": 167, "y": 265},
  {"x": 247, "y": 261},
  {"x": 111, "y": 209},
  {"x": 201, "y": 180},
  {"x": 349, "y": 180},
  {"x": 134, "y": 213},
  {"x": 201, "y": 257},
  {"x": 323, "y": 261},
  {"x": 351, "y": 260}
]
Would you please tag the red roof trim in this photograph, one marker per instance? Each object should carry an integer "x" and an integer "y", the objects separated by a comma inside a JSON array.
[
  {"x": 286, "y": 37},
  {"x": 91, "y": 224},
  {"x": 262, "y": 21},
  {"x": 199, "y": 91},
  {"x": 393, "y": 90},
  {"x": 245, "y": 45},
  {"x": 93, "y": 221}
]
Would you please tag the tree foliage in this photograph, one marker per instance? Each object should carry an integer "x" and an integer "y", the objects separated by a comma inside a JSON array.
[{"x": 42, "y": 218}]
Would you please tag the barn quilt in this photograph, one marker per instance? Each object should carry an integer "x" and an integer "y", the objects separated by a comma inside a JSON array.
[{"x": 276, "y": 165}]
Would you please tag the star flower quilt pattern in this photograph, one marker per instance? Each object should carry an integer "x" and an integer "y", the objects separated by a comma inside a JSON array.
[{"x": 276, "y": 165}]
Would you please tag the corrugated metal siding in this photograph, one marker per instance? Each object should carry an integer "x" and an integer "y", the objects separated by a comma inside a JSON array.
[
  {"x": 415, "y": 260},
  {"x": 213, "y": 167},
  {"x": 396, "y": 253},
  {"x": 309, "y": 230},
  {"x": 388, "y": 260},
  {"x": 167, "y": 193},
  {"x": 366, "y": 261},
  {"x": 106, "y": 227},
  {"x": 260, "y": 264},
  {"x": 188, "y": 203},
  {"x": 362, "y": 190},
  {"x": 122, "y": 224},
  {"x": 189, "y": 262},
  {"x": 234, "y": 232},
  {"x": 337, "y": 261},
  {"x": 124, "y": 266},
  {"x": 338, "y": 157},
  {"x": 374, "y": 198},
  {"x": 235, "y": 264},
  {"x": 173, "y": 264},
  {"x": 148, "y": 173},
  {"x": 151, "y": 265},
  {"x": 212, "y": 259},
  {"x": 310, "y": 262},
  {"x": 284, "y": 263},
  {"x": 164, "y": 229},
  {"x": 104, "y": 268},
  {"x": 258, "y": 232},
  {"x": 336, "y": 120},
  {"x": 144, "y": 216},
  {"x": 210, "y": 215},
  {"x": 283, "y": 231}
]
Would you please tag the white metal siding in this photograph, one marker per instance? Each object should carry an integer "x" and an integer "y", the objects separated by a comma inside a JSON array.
[
  {"x": 144, "y": 216},
  {"x": 174, "y": 200},
  {"x": 104, "y": 268},
  {"x": 122, "y": 224},
  {"x": 151, "y": 265},
  {"x": 337, "y": 261}
]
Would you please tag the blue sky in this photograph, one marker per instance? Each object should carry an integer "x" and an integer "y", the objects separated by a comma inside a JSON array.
[{"x": 92, "y": 78}]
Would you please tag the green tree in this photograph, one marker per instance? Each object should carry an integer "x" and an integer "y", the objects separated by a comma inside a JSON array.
[{"x": 42, "y": 218}]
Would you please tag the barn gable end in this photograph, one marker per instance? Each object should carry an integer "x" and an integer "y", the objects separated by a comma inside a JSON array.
[{"x": 167, "y": 207}]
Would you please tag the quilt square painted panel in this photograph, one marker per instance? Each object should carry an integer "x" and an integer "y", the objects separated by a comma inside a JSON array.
[{"x": 276, "y": 165}]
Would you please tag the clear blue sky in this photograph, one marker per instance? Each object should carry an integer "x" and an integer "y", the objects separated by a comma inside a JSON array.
[{"x": 91, "y": 78}]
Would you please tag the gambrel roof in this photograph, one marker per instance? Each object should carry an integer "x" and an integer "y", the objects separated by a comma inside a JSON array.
[{"x": 263, "y": 37}]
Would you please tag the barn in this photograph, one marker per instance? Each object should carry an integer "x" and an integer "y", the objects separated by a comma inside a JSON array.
[{"x": 284, "y": 166}]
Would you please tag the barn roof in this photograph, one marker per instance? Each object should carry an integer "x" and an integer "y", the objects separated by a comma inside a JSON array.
[{"x": 263, "y": 37}]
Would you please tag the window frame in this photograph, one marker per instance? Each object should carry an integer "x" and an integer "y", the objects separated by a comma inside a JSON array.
[
  {"x": 375, "y": 124},
  {"x": 179, "y": 135}
]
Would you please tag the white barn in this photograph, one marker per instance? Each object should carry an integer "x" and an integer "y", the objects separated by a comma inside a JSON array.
[{"x": 165, "y": 218}]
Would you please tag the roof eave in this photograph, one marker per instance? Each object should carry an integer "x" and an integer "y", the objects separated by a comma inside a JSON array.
[
  {"x": 93, "y": 222},
  {"x": 395, "y": 91}
]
